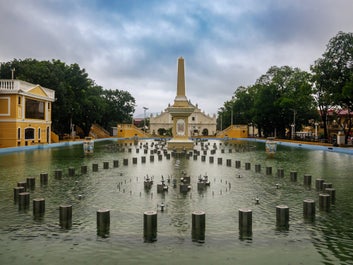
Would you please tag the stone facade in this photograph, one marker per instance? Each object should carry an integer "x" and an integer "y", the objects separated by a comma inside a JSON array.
[{"x": 199, "y": 123}]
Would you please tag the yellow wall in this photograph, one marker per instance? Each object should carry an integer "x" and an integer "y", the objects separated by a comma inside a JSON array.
[
  {"x": 130, "y": 130},
  {"x": 10, "y": 122},
  {"x": 8, "y": 133},
  {"x": 234, "y": 131}
]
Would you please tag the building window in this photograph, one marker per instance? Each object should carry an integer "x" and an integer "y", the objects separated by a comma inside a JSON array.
[
  {"x": 38, "y": 134},
  {"x": 48, "y": 131},
  {"x": 193, "y": 118},
  {"x": 48, "y": 105},
  {"x": 19, "y": 100},
  {"x": 5, "y": 106},
  {"x": 18, "y": 133},
  {"x": 34, "y": 109},
  {"x": 29, "y": 133}
]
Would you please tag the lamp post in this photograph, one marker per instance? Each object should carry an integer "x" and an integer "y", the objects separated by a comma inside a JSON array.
[
  {"x": 144, "y": 118},
  {"x": 316, "y": 136},
  {"x": 293, "y": 124}
]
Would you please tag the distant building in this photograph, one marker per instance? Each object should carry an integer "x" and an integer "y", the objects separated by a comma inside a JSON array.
[
  {"x": 199, "y": 123},
  {"x": 25, "y": 113}
]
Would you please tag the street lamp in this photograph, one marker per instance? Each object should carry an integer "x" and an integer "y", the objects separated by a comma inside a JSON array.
[
  {"x": 293, "y": 124},
  {"x": 316, "y": 136},
  {"x": 144, "y": 118}
]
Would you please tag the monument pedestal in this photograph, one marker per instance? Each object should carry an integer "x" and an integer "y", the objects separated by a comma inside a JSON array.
[{"x": 180, "y": 145}]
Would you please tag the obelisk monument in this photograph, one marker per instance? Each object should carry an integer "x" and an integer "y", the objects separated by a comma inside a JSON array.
[{"x": 180, "y": 112}]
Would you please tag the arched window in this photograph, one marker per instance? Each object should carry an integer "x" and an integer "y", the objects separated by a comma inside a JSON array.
[{"x": 29, "y": 133}]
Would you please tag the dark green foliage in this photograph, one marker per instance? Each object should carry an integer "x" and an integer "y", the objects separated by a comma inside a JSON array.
[
  {"x": 272, "y": 101},
  {"x": 333, "y": 80},
  {"x": 78, "y": 99}
]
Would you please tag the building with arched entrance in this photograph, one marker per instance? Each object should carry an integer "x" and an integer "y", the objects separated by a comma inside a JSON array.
[
  {"x": 25, "y": 113},
  {"x": 199, "y": 123}
]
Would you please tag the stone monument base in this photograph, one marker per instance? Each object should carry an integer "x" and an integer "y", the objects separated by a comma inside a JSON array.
[{"x": 180, "y": 145}]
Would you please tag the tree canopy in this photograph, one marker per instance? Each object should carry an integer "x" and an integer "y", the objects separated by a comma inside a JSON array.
[
  {"x": 333, "y": 80},
  {"x": 79, "y": 100},
  {"x": 287, "y": 98},
  {"x": 278, "y": 99}
]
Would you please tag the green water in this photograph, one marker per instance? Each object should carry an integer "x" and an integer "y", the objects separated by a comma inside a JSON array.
[{"x": 25, "y": 240}]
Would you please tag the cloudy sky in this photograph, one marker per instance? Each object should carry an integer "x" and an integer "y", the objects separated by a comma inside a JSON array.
[{"x": 134, "y": 45}]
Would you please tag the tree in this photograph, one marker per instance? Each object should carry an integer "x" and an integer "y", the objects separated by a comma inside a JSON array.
[
  {"x": 79, "y": 100},
  {"x": 333, "y": 77},
  {"x": 119, "y": 106}
]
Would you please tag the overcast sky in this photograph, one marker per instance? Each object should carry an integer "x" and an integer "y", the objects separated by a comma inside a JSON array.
[{"x": 134, "y": 45}]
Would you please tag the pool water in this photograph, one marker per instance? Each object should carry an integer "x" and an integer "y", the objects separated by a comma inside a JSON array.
[{"x": 26, "y": 240}]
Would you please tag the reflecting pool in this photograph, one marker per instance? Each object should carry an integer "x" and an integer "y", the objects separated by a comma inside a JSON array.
[{"x": 28, "y": 240}]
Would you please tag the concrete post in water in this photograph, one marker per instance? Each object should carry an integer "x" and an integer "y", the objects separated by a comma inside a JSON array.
[
  {"x": 38, "y": 207},
  {"x": 307, "y": 180},
  {"x": 245, "y": 223},
  {"x": 325, "y": 186},
  {"x": 319, "y": 184},
  {"x": 31, "y": 183},
  {"x": 105, "y": 165},
  {"x": 103, "y": 222},
  {"x": 83, "y": 169},
  {"x": 237, "y": 164},
  {"x": 332, "y": 193},
  {"x": 116, "y": 163},
  {"x": 43, "y": 179},
  {"x": 94, "y": 167},
  {"x": 293, "y": 176},
  {"x": 58, "y": 174},
  {"x": 268, "y": 170},
  {"x": 324, "y": 202},
  {"x": 309, "y": 209},
  {"x": 201, "y": 186},
  {"x": 65, "y": 216},
  {"x": 198, "y": 226},
  {"x": 143, "y": 159},
  {"x": 23, "y": 200},
  {"x": 16, "y": 192},
  {"x": 71, "y": 171},
  {"x": 280, "y": 172},
  {"x": 257, "y": 168},
  {"x": 282, "y": 216},
  {"x": 150, "y": 226},
  {"x": 22, "y": 184},
  {"x": 184, "y": 188},
  {"x": 247, "y": 165}
]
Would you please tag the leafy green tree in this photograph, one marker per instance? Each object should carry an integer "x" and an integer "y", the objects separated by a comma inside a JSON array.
[
  {"x": 284, "y": 98},
  {"x": 333, "y": 77},
  {"x": 279, "y": 98},
  {"x": 79, "y": 100},
  {"x": 119, "y": 106}
]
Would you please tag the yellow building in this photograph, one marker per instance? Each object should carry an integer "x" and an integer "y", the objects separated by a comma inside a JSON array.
[{"x": 25, "y": 113}]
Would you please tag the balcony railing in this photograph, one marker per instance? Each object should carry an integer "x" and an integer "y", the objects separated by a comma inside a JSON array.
[{"x": 16, "y": 85}]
